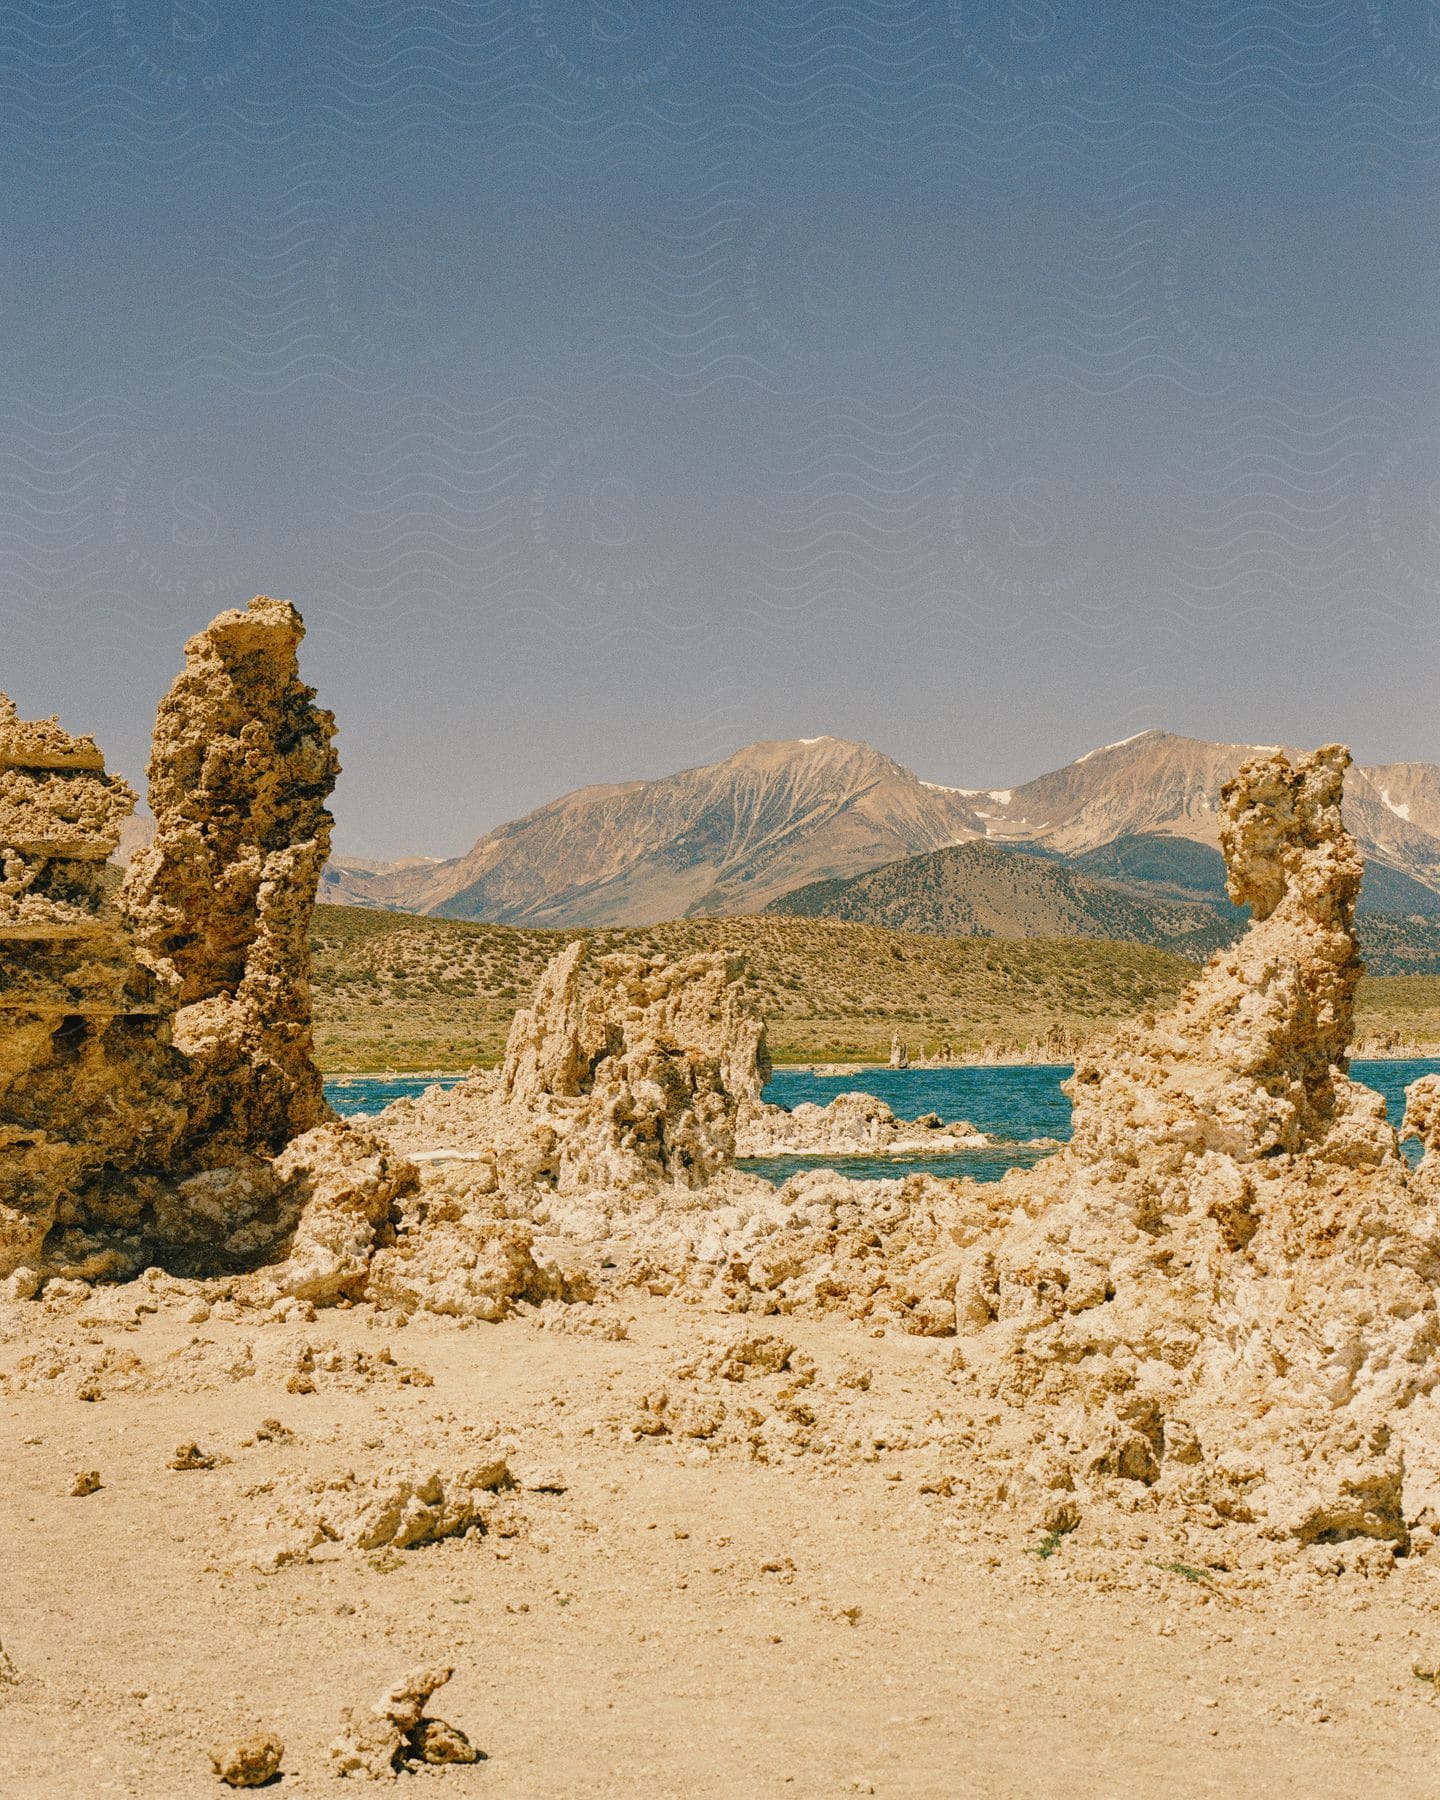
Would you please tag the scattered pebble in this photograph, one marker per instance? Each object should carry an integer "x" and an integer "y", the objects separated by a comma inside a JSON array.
[
  {"x": 545, "y": 1481},
  {"x": 191, "y": 1456}
]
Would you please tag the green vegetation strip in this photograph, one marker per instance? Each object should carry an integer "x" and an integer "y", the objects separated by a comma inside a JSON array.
[{"x": 394, "y": 991}]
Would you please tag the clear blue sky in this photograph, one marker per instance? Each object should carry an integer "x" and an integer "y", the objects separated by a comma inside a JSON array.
[{"x": 612, "y": 384}]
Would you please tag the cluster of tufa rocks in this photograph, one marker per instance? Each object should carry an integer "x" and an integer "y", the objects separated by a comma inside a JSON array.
[
  {"x": 1224, "y": 1288},
  {"x": 1219, "y": 1296},
  {"x": 159, "y": 1099}
]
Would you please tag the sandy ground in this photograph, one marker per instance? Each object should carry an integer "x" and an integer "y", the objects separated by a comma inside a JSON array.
[{"x": 791, "y": 1605}]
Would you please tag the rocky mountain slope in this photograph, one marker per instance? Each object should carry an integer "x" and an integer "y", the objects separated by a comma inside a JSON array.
[
  {"x": 1161, "y": 786},
  {"x": 733, "y": 836},
  {"x": 726, "y": 838}
]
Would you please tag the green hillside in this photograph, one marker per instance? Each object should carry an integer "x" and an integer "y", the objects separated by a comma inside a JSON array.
[{"x": 396, "y": 990}]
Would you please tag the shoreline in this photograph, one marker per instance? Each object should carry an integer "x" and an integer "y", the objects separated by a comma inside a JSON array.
[{"x": 828, "y": 1070}]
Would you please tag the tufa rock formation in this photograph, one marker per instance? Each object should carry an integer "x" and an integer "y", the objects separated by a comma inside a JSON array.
[
  {"x": 1251, "y": 1063},
  {"x": 1222, "y": 1291},
  {"x": 377, "y": 1743},
  {"x": 219, "y": 903},
  {"x": 636, "y": 1009},
  {"x": 629, "y": 1073},
  {"x": 249, "y": 1762},
  {"x": 1218, "y": 1300},
  {"x": 852, "y": 1124},
  {"x": 90, "y": 1093},
  {"x": 159, "y": 1100},
  {"x": 1422, "y": 1121}
]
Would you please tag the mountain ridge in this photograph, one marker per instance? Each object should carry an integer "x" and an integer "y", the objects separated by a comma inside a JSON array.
[
  {"x": 730, "y": 837},
  {"x": 1006, "y": 891},
  {"x": 982, "y": 889}
]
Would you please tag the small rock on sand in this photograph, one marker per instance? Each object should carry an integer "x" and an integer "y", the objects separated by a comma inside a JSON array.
[
  {"x": 435, "y": 1741},
  {"x": 249, "y": 1761},
  {"x": 191, "y": 1456}
]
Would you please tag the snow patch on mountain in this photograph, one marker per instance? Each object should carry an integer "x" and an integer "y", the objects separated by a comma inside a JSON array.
[{"x": 1119, "y": 744}]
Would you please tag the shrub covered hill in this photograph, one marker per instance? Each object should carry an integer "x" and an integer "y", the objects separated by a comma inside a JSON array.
[{"x": 400, "y": 991}]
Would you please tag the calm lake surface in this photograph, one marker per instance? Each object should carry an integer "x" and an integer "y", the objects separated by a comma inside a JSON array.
[{"x": 1014, "y": 1104}]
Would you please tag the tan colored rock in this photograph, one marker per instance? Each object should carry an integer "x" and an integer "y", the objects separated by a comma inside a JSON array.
[
  {"x": 1218, "y": 1299},
  {"x": 399, "y": 1507},
  {"x": 1422, "y": 1120},
  {"x": 433, "y": 1741},
  {"x": 628, "y": 1073},
  {"x": 191, "y": 1456},
  {"x": 544, "y": 1055},
  {"x": 343, "y": 1184},
  {"x": 624, "y": 1077},
  {"x": 411, "y": 1510},
  {"x": 250, "y": 1761},
  {"x": 695, "y": 1002},
  {"x": 90, "y": 1091},
  {"x": 1251, "y": 1061},
  {"x": 219, "y": 903},
  {"x": 455, "y": 1253},
  {"x": 852, "y": 1124},
  {"x": 379, "y": 1743},
  {"x": 159, "y": 1097},
  {"x": 1222, "y": 1291}
]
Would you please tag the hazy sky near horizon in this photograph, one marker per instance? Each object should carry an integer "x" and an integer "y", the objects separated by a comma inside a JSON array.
[{"x": 612, "y": 384}]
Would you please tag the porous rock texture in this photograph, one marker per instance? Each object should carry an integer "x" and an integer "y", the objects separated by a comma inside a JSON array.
[
  {"x": 219, "y": 902},
  {"x": 628, "y": 1075},
  {"x": 1221, "y": 1293},
  {"x": 636, "y": 1073},
  {"x": 1422, "y": 1121},
  {"x": 398, "y": 1508},
  {"x": 617, "y": 1099},
  {"x": 852, "y": 1124},
  {"x": 248, "y": 1762},
  {"x": 1217, "y": 1299},
  {"x": 378, "y": 1743},
  {"x": 159, "y": 1100},
  {"x": 455, "y": 1251},
  {"x": 90, "y": 1091}
]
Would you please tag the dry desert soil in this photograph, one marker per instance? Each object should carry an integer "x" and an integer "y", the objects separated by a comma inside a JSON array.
[{"x": 806, "y": 1596}]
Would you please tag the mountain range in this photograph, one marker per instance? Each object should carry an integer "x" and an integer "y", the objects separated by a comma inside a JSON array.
[
  {"x": 735, "y": 835},
  {"x": 1122, "y": 843},
  {"x": 1145, "y": 889}
]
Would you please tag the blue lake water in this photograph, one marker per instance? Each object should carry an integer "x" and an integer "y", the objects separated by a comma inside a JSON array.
[
  {"x": 354, "y": 1095},
  {"x": 1012, "y": 1103}
]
